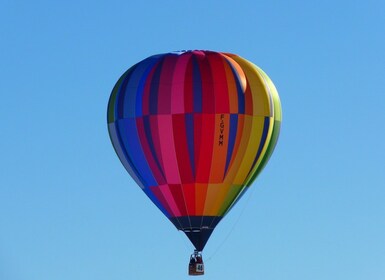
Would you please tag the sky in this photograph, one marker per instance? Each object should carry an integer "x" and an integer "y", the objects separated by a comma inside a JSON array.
[{"x": 68, "y": 208}]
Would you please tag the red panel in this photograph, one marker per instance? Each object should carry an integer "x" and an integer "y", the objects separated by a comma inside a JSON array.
[
  {"x": 181, "y": 149},
  {"x": 208, "y": 94},
  {"x": 203, "y": 164},
  {"x": 164, "y": 93},
  {"x": 218, "y": 71},
  {"x": 177, "y": 193},
  {"x": 201, "y": 193},
  {"x": 189, "y": 196}
]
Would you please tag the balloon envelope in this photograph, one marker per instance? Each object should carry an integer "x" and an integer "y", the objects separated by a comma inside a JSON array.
[{"x": 194, "y": 129}]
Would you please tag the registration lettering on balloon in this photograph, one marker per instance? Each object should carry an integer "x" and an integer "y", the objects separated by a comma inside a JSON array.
[{"x": 221, "y": 129}]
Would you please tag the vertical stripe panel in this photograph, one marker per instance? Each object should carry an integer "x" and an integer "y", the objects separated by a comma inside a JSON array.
[
  {"x": 250, "y": 148},
  {"x": 200, "y": 195},
  {"x": 177, "y": 90},
  {"x": 260, "y": 98},
  {"x": 232, "y": 88},
  {"x": 228, "y": 201},
  {"x": 146, "y": 92},
  {"x": 208, "y": 94},
  {"x": 130, "y": 94},
  {"x": 238, "y": 70},
  {"x": 181, "y": 149},
  {"x": 233, "y": 129},
  {"x": 122, "y": 153},
  {"x": 153, "y": 129},
  {"x": 189, "y": 195},
  {"x": 148, "y": 149},
  {"x": 206, "y": 140},
  {"x": 113, "y": 104},
  {"x": 235, "y": 155},
  {"x": 219, "y": 78},
  {"x": 188, "y": 88},
  {"x": 190, "y": 128},
  {"x": 167, "y": 147},
  {"x": 154, "y": 89},
  {"x": 216, "y": 194},
  {"x": 248, "y": 97},
  {"x": 166, "y": 77},
  {"x": 165, "y": 189},
  {"x": 239, "y": 154},
  {"x": 262, "y": 147},
  {"x": 177, "y": 192},
  {"x": 197, "y": 87},
  {"x": 135, "y": 151}
]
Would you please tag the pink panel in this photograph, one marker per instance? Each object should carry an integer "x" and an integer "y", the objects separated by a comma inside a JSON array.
[
  {"x": 177, "y": 90},
  {"x": 167, "y": 146}
]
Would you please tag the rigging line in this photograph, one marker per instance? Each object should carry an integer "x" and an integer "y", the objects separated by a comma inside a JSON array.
[{"x": 233, "y": 227}]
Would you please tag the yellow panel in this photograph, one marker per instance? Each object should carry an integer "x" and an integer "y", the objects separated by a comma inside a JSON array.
[
  {"x": 231, "y": 195},
  {"x": 239, "y": 154},
  {"x": 252, "y": 146},
  {"x": 261, "y": 100},
  {"x": 264, "y": 149},
  {"x": 216, "y": 194},
  {"x": 274, "y": 94}
]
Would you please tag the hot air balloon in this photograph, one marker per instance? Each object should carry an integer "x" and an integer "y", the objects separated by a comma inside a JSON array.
[{"x": 194, "y": 129}]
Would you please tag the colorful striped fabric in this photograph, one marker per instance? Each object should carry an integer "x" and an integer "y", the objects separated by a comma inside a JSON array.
[{"x": 194, "y": 129}]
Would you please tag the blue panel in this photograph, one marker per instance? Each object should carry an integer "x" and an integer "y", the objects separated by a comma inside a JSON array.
[
  {"x": 154, "y": 88},
  {"x": 140, "y": 90},
  {"x": 232, "y": 136},
  {"x": 147, "y": 130},
  {"x": 197, "y": 87},
  {"x": 122, "y": 153},
  {"x": 121, "y": 93},
  {"x": 131, "y": 142},
  {"x": 129, "y": 99}
]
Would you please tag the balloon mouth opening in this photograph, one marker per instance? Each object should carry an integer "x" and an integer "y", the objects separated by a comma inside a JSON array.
[{"x": 192, "y": 230}]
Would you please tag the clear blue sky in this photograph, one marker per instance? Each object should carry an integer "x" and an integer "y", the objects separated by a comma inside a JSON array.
[{"x": 68, "y": 209}]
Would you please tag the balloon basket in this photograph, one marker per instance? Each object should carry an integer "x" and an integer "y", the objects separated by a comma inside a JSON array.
[{"x": 196, "y": 266}]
